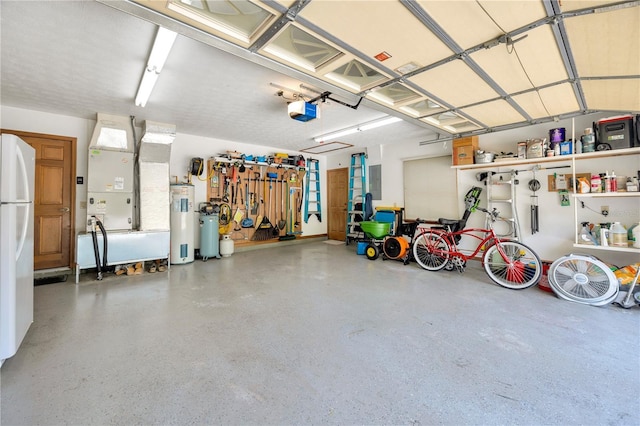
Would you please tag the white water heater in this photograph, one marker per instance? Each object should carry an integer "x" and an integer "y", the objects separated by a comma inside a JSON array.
[{"x": 182, "y": 224}]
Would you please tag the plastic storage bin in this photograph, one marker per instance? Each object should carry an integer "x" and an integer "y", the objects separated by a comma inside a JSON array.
[
  {"x": 362, "y": 246},
  {"x": 616, "y": 133}
]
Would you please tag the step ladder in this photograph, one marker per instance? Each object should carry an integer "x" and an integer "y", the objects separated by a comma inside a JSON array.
[
  {"x": 501, "y": 195},
  {"x": 312, "y": 191},
  {"x": 357, "y": 192}
]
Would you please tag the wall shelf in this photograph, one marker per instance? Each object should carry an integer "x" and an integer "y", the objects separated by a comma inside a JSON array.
[
  {"x": 555, "y": 159},
  {"x": 609, "y": 248},
  {"x": 607, "y": 195},
  {"x": 602, "y": 195},
  {"x": 238, "y": 161}
]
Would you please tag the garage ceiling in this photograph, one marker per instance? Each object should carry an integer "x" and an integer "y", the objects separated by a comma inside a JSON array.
[{"x": 445, "y": 67}]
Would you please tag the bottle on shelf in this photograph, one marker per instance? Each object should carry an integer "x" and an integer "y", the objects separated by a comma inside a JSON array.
[
  {"x": 578, "y": 144},
  {"x": 595, "y": 231},
  {"x": 630, "y": 234},
  {"x": 605, "y": 234},
  {"x": 607, "y": 182},
  {"x": 613, "y": 182},
  {"x": 585, "y": 235},
  {"x": 596, "y": 183},
  {"x": 618, "y": 235},
  {"x": 636, "y": 236},
  {"x": 588, "y": 141}
]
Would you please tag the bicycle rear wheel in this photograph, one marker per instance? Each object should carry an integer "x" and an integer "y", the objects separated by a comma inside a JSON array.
[
  {"x": 583, "y": 279},
  {"x": 431, "y": 251},
  {"x": 522, "y": 268}
]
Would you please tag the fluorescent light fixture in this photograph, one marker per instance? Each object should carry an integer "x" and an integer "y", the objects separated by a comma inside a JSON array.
[
  {"x": 361, "y": 128},
  {"x": 159, "y": 54},
  {"x": 379, "y": 123},
  {"x": 327, "y": 147},
  {"x": 337, "y": 134},
  {"x": 149, "y": 79}
]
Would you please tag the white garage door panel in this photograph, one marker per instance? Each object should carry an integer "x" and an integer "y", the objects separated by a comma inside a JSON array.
[{"x": 430, "y": 189}]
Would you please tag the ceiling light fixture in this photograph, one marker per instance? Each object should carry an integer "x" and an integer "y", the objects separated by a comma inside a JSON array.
[
  {"x": 159, "y": 53},
  {"x": 360, "y": 128}
]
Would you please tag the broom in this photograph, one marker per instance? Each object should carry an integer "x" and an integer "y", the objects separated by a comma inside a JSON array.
[{"x": 265, "y": 228}]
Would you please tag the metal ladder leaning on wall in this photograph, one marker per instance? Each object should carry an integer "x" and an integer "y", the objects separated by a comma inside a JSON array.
[
  {"x": 357, "y": 191},
  {"x": 312, "y": 195},
  {"x": 501, "y": 193}
]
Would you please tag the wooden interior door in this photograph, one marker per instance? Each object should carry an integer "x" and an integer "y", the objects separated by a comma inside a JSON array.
[
  {"x": 54, "y": 199},
  {"x": 338, "y": 196}
]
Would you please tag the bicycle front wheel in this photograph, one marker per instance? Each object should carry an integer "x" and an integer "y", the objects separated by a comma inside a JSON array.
[
  {"x": 519, "y": 268},
  {"x": 431, "y": 251}
]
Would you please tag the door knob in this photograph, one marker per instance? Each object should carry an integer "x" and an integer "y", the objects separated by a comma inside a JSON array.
[{"x": 64, "y": 209}]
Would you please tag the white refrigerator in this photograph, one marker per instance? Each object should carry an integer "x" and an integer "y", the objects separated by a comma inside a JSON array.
[{"x": 17, "y": 182}]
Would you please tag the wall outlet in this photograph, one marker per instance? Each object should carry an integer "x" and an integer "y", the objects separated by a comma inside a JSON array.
[{"x": 604, "y": 210}]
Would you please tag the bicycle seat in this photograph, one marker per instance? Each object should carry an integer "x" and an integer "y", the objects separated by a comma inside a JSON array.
[
  {"x": 449, "y": 222},
  {"x": 454, "y": 225}
]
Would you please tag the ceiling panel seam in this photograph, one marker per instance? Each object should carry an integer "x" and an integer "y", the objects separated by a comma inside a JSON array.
[
  {"x": 503, "y": 95},
  {"x": 374, "y": 63},
  {"x": 484, "y": 45},
  {"x": 552, "y": 8},
  {"x": 612, "y": 77},
  {"x": 345, "y": 47},
  {"x": 434, "y": 27},
  {"x": 523, "y": 123},
  {"x": 394, "y": 77},
  {"x": 288, "y": 15},
  {"x": 534, "y": 89}
]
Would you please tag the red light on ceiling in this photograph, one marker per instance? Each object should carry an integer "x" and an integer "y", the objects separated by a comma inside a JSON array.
[{"x": 382, "y": 56}]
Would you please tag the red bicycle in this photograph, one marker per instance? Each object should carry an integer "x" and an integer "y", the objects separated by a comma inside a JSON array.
[{"x": 508, "y": 263}]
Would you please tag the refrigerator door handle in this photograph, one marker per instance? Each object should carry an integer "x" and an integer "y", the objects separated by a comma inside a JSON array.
[
  {"x": 25, "y": 176},
  {"x": 27, "y": 207},
  {"x": 25, "y": 226}
]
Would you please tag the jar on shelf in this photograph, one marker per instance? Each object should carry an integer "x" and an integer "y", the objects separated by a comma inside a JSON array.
[{"x": 588, "y": 141}]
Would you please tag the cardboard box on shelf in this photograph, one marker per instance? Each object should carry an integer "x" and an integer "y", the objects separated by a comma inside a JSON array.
[{"x": 464, "y": 150}]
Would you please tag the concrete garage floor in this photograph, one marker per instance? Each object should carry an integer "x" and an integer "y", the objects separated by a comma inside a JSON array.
[{"x": 314, "y": 334}]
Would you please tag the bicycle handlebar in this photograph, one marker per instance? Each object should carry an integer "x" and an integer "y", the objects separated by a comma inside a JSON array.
[{"x": 493, "y": 213}]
